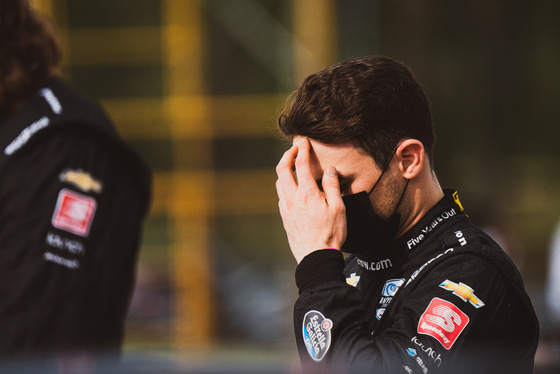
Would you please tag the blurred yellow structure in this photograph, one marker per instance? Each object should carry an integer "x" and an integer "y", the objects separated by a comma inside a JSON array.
[
  {"x": 195, "y": 87},
  {"x": 184, "y": 114}
]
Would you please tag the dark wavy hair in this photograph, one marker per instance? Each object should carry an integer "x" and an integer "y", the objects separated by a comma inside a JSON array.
[
  {"x": 371, "y": 102},
  {"x": 29, "y": 53}
]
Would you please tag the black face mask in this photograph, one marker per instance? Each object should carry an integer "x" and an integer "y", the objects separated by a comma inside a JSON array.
[{"x": 367, "y": 233}]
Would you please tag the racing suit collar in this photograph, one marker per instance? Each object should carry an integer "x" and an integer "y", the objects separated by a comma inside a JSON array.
[{"x": 400, "y": 249}]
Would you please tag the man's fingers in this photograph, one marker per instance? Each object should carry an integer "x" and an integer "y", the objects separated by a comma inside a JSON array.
[
  {"x": 331, "y": 187},
  {"x": 285, "y": 172},
  {"x": 303, "y": 166}
]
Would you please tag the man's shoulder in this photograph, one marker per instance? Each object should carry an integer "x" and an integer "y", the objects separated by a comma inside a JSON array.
[
  {"x": 478, "y": 262},
  {"x": 465, "y": 238}
]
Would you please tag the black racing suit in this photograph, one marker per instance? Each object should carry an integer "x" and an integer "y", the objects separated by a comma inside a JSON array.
[
  {"x": 443, "y": 298},
  {"x": 73, "y": 198}
]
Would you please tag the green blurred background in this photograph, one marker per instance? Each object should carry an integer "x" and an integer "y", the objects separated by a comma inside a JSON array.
[{"x": 195, "y": 87}]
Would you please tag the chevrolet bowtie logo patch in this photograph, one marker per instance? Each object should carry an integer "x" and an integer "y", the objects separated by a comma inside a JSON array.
[
  {"x": 463, "y": 291},
  {"x": 82, "y": 180}
]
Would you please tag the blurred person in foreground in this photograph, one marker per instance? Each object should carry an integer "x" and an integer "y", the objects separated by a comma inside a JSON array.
[
  {"x": 73, "y": 198},
  {"x": 423, "y": 290}
]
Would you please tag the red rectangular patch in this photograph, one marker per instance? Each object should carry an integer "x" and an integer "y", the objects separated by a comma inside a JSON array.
[
  {"x": 443, "y": 321},
  {"x": 74, "y": 212}
]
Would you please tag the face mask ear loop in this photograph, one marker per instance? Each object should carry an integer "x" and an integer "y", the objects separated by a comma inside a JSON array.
[
  {"x": 384, "y": 170},
  {"x": 402, "y": 195}
]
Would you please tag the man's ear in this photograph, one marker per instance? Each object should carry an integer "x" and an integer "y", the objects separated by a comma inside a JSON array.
[{"x": 410, "y": 155}]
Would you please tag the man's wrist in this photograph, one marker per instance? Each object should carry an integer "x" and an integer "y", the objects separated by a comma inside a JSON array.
[{"x": 318, "y": 267}]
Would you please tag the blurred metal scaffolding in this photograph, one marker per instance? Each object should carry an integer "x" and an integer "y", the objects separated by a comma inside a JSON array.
[
  {"x": 158, "y": 53},
  {"x": 195, "y": 87}
]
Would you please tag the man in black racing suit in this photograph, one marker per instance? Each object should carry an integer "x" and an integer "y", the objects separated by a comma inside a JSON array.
[{"x": 425, "y": 290}]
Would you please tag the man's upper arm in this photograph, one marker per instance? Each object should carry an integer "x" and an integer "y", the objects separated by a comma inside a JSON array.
[
  {"x": 449, "y": 310},
  {"x": 70, "y": 227}
]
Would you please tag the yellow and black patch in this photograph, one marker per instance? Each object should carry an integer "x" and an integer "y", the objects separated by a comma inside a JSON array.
[{"x": 81, "y": 180}]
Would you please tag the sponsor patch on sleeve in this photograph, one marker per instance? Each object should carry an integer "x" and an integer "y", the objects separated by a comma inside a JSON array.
[
  {"x": 443, "y": 321},
  {"x": 463, "y": 291},
  {"x": 316, "y": 331},
  {"x": 389, "y": 291},
  {"x": 74, "y": 212},
  {"x": 81, "y": 180}
]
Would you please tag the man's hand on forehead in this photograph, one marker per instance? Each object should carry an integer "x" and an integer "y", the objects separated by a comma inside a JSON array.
[{"x": 313, "y": 218}]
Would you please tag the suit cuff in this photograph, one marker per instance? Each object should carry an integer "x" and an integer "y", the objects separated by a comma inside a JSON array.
[{"x": 322, "y": 266}]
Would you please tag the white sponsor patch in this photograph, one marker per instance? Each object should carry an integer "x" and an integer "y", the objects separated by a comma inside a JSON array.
[
  {"x": 391, "y": 287},
  {"x": 408, "y": 370},
  {"x": 26, "y": 134},
  {"x": 413, "y": 242},
  {"x": 389, "y": 290},
  {"x": 418, "y": 271},
  {"x": 52, "y": 100},
  {"x": 72, "y": 246},
  {"x": 429, "y": 351},
  {"x": 70, "y": 264},
  {"x": 74, "y": 212},
  {"x": 375, "y": 265},
  {"x": 316, "y": 331}
]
